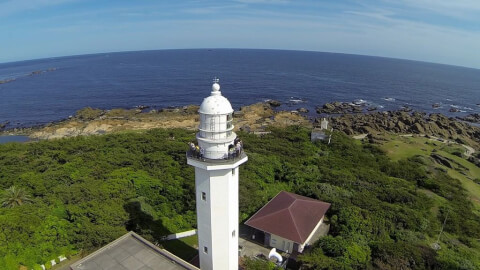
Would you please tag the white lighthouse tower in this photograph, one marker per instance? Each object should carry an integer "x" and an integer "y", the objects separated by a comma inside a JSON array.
[{"x": 216, "y": 162}]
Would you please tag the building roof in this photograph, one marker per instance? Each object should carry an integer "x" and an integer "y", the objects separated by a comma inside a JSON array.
[
  {"x": 290, "y": 216},
  {"x": 131, "y": 252}
]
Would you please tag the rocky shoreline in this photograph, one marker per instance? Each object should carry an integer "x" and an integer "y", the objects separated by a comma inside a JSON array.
[
  {"x": 408, "y": 123},
  {"x": 471, "y": 118},
  {"x": 350, "y": 118},
  {"x": 33, "y": 73},
  {"x": 90, "y": 121}
]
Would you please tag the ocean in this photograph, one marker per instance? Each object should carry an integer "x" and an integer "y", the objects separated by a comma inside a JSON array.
[{"x": 46, "y": 90}]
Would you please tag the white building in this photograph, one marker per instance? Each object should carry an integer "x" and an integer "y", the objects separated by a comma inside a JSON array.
[
  {"x": 216, "y": 183},
  {"x": 321, "y": 133}
]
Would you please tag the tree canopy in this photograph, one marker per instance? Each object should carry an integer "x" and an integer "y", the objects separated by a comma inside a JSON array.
[{"x": 87, "y": 191}]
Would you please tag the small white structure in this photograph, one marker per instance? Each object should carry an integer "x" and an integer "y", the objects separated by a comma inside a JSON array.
[
  {"x": 324, "y": 124},
  {"x": 321, "y": 133},
  {"x": 274, "y": 254},
  {"x": 216, "y": 183},
  {"x": 180, "y": 235}
]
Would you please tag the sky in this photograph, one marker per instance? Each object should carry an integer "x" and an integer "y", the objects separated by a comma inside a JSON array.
[{"x": 439, "y": 31}]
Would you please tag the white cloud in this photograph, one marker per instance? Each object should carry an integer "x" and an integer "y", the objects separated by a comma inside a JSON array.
[
  {"x": 458, "y": 9},
  {"x": 13, "y": 6},
  {"x": 372, "y": 30},
  {"x": 263, "y": 1}
]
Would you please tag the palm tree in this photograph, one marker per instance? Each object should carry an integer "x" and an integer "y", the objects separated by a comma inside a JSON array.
[{"x": 14, "y": 196}]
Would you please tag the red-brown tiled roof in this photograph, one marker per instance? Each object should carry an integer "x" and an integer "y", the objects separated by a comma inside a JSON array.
[{"x": 290, "y": 216}]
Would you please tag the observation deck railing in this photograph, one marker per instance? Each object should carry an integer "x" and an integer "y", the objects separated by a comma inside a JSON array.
[{"x": 227, "y": 160}]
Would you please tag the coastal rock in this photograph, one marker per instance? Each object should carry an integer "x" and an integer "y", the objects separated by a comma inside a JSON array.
[
  {"x": 436, "y": 105},
  {"x": 6, "y": 81},
  {"x": 452, "y": 109},
  {"x": 329, "y": 107},
  {"x": 357, "y": 109},
  {"x": 273, "y": 103},
  {"x": 254, "y": 118},
  {"x": 406, "y": 109},
  {"x": 418, "y": 128},
  {"x": 302, "y": 110},
  {"x": 402, "y": 122},
  {"x": 338, "y": 107},
  {"x": 472, "y": 118},
  {"x": 401, "y": 126},
  {"x": 142, "y": 107},
  {"x": 4, "y": 124},
  {"x": 88, "y": 113}
]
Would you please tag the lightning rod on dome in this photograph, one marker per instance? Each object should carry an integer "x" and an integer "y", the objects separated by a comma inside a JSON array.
[{"x": 216, "y": 80}]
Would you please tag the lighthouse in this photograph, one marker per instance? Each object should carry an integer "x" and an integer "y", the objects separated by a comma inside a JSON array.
[{"x": 216, "y": 159}]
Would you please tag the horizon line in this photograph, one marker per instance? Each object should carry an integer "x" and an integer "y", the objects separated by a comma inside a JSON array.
[{"x": 232, "y": 48}]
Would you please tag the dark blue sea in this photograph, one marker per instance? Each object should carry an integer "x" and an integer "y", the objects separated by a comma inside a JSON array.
[{"x": 180, "y": 77}]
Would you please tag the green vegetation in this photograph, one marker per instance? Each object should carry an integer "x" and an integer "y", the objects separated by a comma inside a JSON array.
[
  {"x": 14, "y": 197},
  {"x": 258, "y": 264},
  {"x": 461, "y": 169},
  {"x": 87, "y": 191},
  {"x": 386, "y": 211},
  {"x": 185, "y": 248}
]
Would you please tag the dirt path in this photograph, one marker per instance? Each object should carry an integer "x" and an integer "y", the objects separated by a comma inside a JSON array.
[
  {"x": 469, "y": 151},
  {"x": 360, "y": 137}
]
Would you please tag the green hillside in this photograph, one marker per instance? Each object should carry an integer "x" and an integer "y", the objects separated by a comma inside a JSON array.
[{"x": 387, "y": 209}]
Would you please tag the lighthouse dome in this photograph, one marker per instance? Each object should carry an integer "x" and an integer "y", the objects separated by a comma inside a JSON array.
[{"x": 215, "y": 103}]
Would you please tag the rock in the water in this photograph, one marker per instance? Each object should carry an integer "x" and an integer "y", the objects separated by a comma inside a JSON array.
[
  {"x": 453, "y": 109},
  {"x": 341, "y": 108},
  {"x": 406, "y": 109},
  {"x": 330, "y": 107},
  {"x": 436, "y": 105},
  {"x": 142, "y": 107},
  {"x": 357, "y": 109},
  {"x": 4, "y": 124},
  {"x": 274, "y": 103},
  {"x": 6, "y": 81},
  {"x": 302, "y": 110}
]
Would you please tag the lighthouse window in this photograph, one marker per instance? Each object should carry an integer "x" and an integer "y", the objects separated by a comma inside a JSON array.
[
  {"x": 212, "y": 124},
  {"x": 233, "y": 171},
  {"x": 233, "y": 233},
  {"x": 204, "y": 196},
  {"x": 205, "y": 249}
]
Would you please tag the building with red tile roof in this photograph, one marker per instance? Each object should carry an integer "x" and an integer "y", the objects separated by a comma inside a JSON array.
[{"x": 289, "y": 221}]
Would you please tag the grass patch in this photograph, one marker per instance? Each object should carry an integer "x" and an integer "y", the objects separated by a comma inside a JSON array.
[
  {"x": 438, "y": 200},
  {"x": 185, "y": 248},
  {"x": 403, "y": 147},
  {"x": 398, "y": 148}
]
